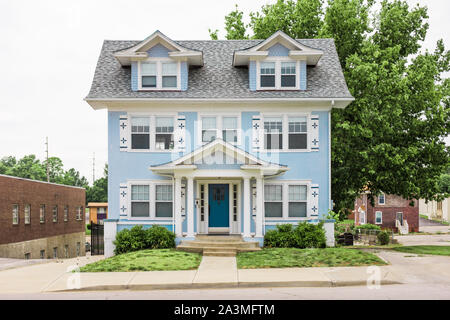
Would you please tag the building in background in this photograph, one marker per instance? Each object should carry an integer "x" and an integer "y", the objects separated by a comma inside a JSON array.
[
  {"x": 437, "y": 210},
  {"x": 40, "y": 220},
  {"x": 389, "y": 212},
  {"x": 98, "y": 211}
]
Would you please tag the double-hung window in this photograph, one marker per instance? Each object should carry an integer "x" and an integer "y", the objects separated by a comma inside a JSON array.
[
  {"x": 297, "y": 133},
  {"x": 381, "y": 199},
  {"x": 140, "y": 133},
  {"x": 209, "y": 129},
  {"x": 288, "y": 74},
  {"x": 42, "y": 213},
  {"x": 169, "y": 75},
  {"x": 267, "y": 75},
  {"x": 297, "y": 201},
  {"x": 79, "y": 212},
  {"x": 148, "y": 75},
  {"x": 164, "y": 133},
  {"x": 66, "y": 213},
  {"x": 163, "y": 203},
  {"x": 378, "y": 217},
  {"x": 140, "y": 201},
  {"x": 27, "y": 213},
  {"x": 273, "y": 133},
  {"x": 55, "y": 214},
  {"x": 15, "y": 214},
  {"x": 230, "y": 129},
  {"x": 273, "y": 201}
]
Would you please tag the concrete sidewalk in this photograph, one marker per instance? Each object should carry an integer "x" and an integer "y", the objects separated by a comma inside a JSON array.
[
  {"x": 222, "y": 272},
  {"x": 214, "y": 272}
]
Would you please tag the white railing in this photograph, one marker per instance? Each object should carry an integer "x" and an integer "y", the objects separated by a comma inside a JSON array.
[{"x": 402, "y": 228}]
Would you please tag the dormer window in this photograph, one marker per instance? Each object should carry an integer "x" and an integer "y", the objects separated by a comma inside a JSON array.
[
  {"x": 278, "y": 74},
  {"x": 161, "y": 74}
]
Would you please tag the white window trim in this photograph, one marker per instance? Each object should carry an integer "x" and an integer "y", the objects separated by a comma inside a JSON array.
[
  {"x": 381, "y": 222},
  {"x": 15, "y": 212},
  {"x": 53, "y": 214},
  {"x": 152, "y": 132},
  {"x": 285, "y": 199},
  {"x": 384, "y": 199},
  {"x": 66, "y": 216},
  {"x": 283, "y": 204},
  {"x": 152, "y": 199},
  {"x": 159, "y": 62},
  {"x": 27, "y": 220},
  {"x": 285, "y": 125},
  {"x": 163, "y": 201},
  {"x": 277, "y": 61},
  {"x": 42, "y": 208},
  {"x": 219, "y": 124}
]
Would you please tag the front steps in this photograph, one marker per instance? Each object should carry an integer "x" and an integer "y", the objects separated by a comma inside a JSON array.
[{"x": 219, "y": 246}]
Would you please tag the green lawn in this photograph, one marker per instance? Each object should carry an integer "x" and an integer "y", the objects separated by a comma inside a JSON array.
[
  {"x": 292, "y": 257},
  {"x": 88, "y": 231},
  {"x": 436, "y": 250},
  {"x": 146, "y": 260}
]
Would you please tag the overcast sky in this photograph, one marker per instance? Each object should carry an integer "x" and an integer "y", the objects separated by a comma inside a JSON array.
[{"x": 50, "y": 48}]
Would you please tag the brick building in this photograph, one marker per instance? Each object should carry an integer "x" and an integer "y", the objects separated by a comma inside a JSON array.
[
  {"x": 40, "y": 219},
  {"x": 386, "y": 210}
]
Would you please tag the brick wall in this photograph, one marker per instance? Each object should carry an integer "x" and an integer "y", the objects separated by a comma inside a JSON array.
[
  {"x": 393, "y": 204},
  {"x": 34, "y": 193}
]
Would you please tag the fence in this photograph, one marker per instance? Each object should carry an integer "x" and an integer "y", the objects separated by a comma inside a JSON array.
[
  {"x": 369, "y": 236},
  {"x": 97, "y": 243}
]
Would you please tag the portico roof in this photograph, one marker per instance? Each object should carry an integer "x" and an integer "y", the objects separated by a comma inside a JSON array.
[{"x": 219, "y": 155}]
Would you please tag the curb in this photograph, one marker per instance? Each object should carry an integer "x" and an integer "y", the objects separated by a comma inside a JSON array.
[{"x": 225, "y": 285}]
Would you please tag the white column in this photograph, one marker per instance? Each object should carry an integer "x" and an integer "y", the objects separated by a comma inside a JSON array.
[
  {"x": 190, "y": 207},
  {"x": 259, "y": 206},
  {"x": 178, "y": 218},
  {"x": 246, "y": 206}
]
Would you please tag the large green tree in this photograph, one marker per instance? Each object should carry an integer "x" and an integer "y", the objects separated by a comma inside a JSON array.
[
  {"x": 99, "y": 190},
  {"x": 390, "y": 138}
]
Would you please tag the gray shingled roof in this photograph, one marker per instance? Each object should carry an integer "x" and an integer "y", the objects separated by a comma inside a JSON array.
[{"x": 218, "y": 79}]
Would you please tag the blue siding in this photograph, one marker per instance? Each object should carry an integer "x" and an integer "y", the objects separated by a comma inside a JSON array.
[
  {"x": 278, "y": 50},
  {"x": 303, "y": 71},
  {"x": 252, "y": 75},
  {"x": 184, "y": 76},
  {"x": 158, "y": 51},
  {"x": 134, "y": 76},
  {"x": 191, "y": 123}
]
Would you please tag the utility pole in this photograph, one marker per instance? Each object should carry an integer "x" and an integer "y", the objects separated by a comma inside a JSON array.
[
  {"x": 46, "y": 151},
  {"x": 93, "y": 169}
]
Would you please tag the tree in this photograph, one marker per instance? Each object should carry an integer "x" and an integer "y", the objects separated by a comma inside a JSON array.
[
  {"x": 28, "y": 167},
  {"x": 99, "y": 191},
  {"x": 444, "y": 184},
  {"x": 390, "y": 139},
  {"x": 72, "y": 177},
  {"x": 234, "y": 26}
]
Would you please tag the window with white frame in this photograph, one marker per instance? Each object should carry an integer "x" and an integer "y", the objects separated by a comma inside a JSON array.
[
  {"x": 79, "y": 212},
  {"x": 27, "y": 213},
  {"x": 148, "y": 75},
  {"x": 15, "y": 214},
  {"x": 164, "y": 133},
  {"x": 298, "y": 132},
  {"x": 267, "y": 75},
  {"x": 169, "y": 75},
  {"x": 66, "y": 213},
  {"x": 378, "y": 217},
  {"x": 42, "y": 213},
  {"x": 273, "y": 201},
  {"x": 55, "y": 213},
  {"x": 273, "y": 133},
  {"x": 140, "y": 201},
  {"x": 163, "y": 201},
  {"x": 161, "y": 74},
  {"x": 288, "y": 74},
  {"x": 209, "y": 129},
  {"x": 140, "y": 133},
  {"x": 230, "y": 129},
  {"x": 381, "y": 199},
  {"x": 297, "y": 201}
]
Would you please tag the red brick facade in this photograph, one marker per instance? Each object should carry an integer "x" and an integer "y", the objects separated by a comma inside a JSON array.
[
  {"x": 34, "y": 193},
  {"x": 392, "y": 206}
]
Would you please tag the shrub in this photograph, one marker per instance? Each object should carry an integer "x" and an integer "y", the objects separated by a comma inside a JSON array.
[
  {"x": 383, "y": 238},
  {"x": 158, "y": 237},
  {"x": 305, "y": 235},
  {"x": 88, "y": 226},
  {"x": 310, "y": 236},
  {"x": 368, "y": 226},
  {"x": 344, "y": 226},
  {"x": 137, "y": 238}
]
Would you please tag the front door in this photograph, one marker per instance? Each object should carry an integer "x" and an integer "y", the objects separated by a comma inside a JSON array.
[
  {"x": 219, "y": 206},
  {"x": 399, "y": 217}
]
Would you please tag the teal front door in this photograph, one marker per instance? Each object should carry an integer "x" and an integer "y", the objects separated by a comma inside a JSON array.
[{"x": 219, "y": 206}]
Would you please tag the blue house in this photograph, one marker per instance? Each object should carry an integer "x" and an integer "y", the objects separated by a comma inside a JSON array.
[{"x": 218, "y": 137}]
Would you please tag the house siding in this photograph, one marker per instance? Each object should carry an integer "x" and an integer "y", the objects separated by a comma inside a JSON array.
[
  {"x": 303, "y": 75},
  {"x": 158, "y": 51},
  {"x": 184, "y": 74},
  {"x": 134, "y": 76},
  {"x": 278, "y": 50},
  {"x": 252, "y": 75}
]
